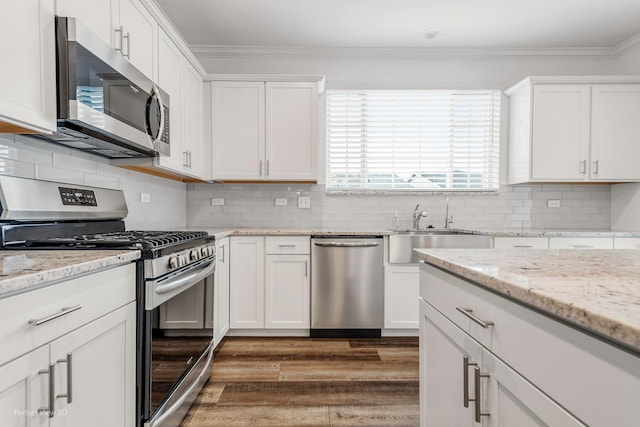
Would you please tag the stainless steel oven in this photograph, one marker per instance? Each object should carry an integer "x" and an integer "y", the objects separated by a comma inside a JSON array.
[{"x": 172, "y": 365}]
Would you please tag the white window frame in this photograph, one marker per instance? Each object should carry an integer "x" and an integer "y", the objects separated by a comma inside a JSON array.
[{"x": 368, "y": 150}]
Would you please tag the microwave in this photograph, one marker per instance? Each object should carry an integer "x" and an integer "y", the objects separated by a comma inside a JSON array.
[{"x": 106, "y": 106}]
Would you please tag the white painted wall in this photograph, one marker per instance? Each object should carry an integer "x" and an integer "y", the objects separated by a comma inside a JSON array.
[{"x": 30, "y": 158}]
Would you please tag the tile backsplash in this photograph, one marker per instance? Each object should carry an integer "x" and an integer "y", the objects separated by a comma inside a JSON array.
[
  {"x": 514, "y": 208},
  {"x": 31, "y": 158}
]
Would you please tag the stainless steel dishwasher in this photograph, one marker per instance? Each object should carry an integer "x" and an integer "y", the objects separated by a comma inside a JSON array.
[{"x": 346, "y": 286}]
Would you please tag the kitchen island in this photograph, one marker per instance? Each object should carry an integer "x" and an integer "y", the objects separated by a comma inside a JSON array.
[{"x": 530, "y": 337}]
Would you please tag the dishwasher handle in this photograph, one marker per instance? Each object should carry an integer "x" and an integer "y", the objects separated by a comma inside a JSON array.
[{"x": 347, "y": 244}]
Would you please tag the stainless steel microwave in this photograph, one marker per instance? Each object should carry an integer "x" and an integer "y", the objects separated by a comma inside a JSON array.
[{"x": 106, "y": 106}]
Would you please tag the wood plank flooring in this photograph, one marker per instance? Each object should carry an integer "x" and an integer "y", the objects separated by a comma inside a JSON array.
[{"x": 263, "y": 382}]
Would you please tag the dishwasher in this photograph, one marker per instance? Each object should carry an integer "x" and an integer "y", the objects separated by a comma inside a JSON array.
[{"x": 346, "y": 287}]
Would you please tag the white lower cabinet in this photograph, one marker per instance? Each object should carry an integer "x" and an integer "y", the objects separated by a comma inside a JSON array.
[
  {"x": 520, "y": 242},
  {"x": 534, "y": 370},
  {"x": 580, "y": 243},
  {"x": 287, "y": 292},
  {"x": 221, "y": 291},
  {"x": 78, "y": 367},
  {"x": 626, "y": 243},
  {"x": 247, "y": 282},
  {"x": 269, "y": 281},
  {"x": 463, "y": 384},
  {"x": 401, "y": 290}
]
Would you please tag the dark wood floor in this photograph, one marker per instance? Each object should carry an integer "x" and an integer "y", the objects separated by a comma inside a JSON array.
[{"x": 263, "y": 382}]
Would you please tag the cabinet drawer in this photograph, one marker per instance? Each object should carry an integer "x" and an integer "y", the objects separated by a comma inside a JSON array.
[
  {"x": 626, "y": 243},
  {"x": 96, "y": 295},
  {"x": 520, "y": 243},
  {"x": 572, "y": 367},
  {"x": 580, "y": 243},
  {"x": 299, "y": 245}
]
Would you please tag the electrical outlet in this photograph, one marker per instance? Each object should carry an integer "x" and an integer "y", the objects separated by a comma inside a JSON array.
[
  {"x": 281, "y": 201},
  {"x": 304, "y": 202},
  {"x": 217, "y": 201},
  {"x": 553, "y": 203},
  {"x": 145, "y": 197}
]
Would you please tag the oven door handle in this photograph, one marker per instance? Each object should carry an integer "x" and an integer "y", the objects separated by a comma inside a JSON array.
[{"x": 189, "y": 279}]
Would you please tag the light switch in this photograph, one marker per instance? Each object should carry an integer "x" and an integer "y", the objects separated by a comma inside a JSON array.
[
  {"x": 217, "y": 201},
  {"x": 281, "y": 201},
  {"x": 145, "y": 197},
  {"x": 553, "y": 203}
]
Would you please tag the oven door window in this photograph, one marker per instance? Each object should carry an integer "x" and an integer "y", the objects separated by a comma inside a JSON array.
[{"x": 180, "y": 335}]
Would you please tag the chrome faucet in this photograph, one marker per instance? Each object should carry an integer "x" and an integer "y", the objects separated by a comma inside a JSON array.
[
  {"x": 417, "y": 216},
  {"x": 448, "y": 220}
]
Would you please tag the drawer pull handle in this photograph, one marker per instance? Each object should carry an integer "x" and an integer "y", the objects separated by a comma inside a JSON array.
[
  {"x": 64, "y": 312},
  {"x": 477, "y": 400},
  {"x": 52, "y": 383},
  {"x": 69, "y": 393},
  {"x": 286, "y": 246},
  {"x": 583, "y": 246},
  {"x": 465, "y": 380},
  {"x": 469, "y": 313},
  {"x": 522, "y": 246}
]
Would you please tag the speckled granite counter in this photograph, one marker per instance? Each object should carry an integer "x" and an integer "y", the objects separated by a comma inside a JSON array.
[
  {"x": 598, "y": 290},
  {"x": 220, "y": 233},
  {"x": 21, "y": 271}
]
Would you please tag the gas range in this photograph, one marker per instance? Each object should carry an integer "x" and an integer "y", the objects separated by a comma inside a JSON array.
[{"x": 56, "y": 216}]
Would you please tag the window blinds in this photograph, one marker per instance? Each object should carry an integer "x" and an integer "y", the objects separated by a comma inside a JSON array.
[{"x": 409, "y": 140}]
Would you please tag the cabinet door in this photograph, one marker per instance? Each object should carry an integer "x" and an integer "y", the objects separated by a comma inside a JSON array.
[
  {"x": 287, "y": 292},
  {"x": 170, "y": 80},
  {"x": 401, "y": 291},
  {"x": 185, "y": 311},
  {"x": 95, "y": 368},
  {"x": 443, "y": 347},
  {"x": 291, "y": 126},
  {"x": 27, "y": 76},
  {"x": 139, "y": 36},
  {"x": 626, "y": 243},
  {"x": 101, "y": 16},
  {"x": 513, "y": 401},
  {"x": 615, "y": 132},
  {"x": 221, "y": 299},
  {"x": 193, "y": 141},
  {"x": 24, "y": 390},
  {"x": 247, "y": 283},
  {"x": 560, "y": 132},
  {"x": 238, "y": 130}
]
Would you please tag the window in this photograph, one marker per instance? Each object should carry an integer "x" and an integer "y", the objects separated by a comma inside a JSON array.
[{"x": 411, "y": 140}]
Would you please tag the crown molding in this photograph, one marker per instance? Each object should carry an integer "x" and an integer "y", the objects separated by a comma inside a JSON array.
[
  {"x": 218, "y": 51},
  {"x": 629, "y": 43}
]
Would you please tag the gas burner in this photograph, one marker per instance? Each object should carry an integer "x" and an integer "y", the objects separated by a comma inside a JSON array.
[{"x": 125, "y": 239}]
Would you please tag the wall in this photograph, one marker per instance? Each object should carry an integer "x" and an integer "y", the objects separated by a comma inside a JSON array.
[
  {"x": 516, "y": 207},
  {"x": 625, "y": 198},
  {"x": 30, "y": 158}
]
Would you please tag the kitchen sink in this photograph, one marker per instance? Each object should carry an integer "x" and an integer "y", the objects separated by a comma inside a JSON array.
[{"x": 402, "y": 243}]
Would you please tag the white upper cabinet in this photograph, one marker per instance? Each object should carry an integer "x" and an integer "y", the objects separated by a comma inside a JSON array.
[
  {"x": 291, "y": 134},
  {"x": 615, "y": 132},
  {"x": 264, "y": 131},
  {"x": 125, "y": 24},
  {"x": 193, "y": 122},
  {"x": 574, "y": 130},
  {"x": 170, "y": 80},
  {"x": 238, "y": 130},
  {"x": 27, "y": 77}
]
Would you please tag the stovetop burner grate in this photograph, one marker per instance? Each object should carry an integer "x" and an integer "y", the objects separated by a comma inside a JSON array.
[{"x": 139, "y": 239}]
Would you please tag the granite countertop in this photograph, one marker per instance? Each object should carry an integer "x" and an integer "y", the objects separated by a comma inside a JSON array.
[
  {"x": 220, "y": 233},
  {"x": 21, "y": 271},
  {"x": 598, "y": 290}
]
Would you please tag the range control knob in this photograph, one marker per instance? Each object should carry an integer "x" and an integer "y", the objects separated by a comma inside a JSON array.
[
  {"x": 173, "y": 262},
  {"x": 195, "y": 255},
  {"x": 182, "y": 260},
  {"x": 203, "y": 251},
  {"x": 210, "y": 250}
]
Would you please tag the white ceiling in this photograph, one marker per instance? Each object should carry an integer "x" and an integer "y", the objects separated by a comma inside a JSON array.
[{"x": 463, "y": 24}]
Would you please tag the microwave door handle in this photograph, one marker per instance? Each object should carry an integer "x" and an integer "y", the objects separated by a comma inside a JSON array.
[{"x": 155, "y": 94}]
